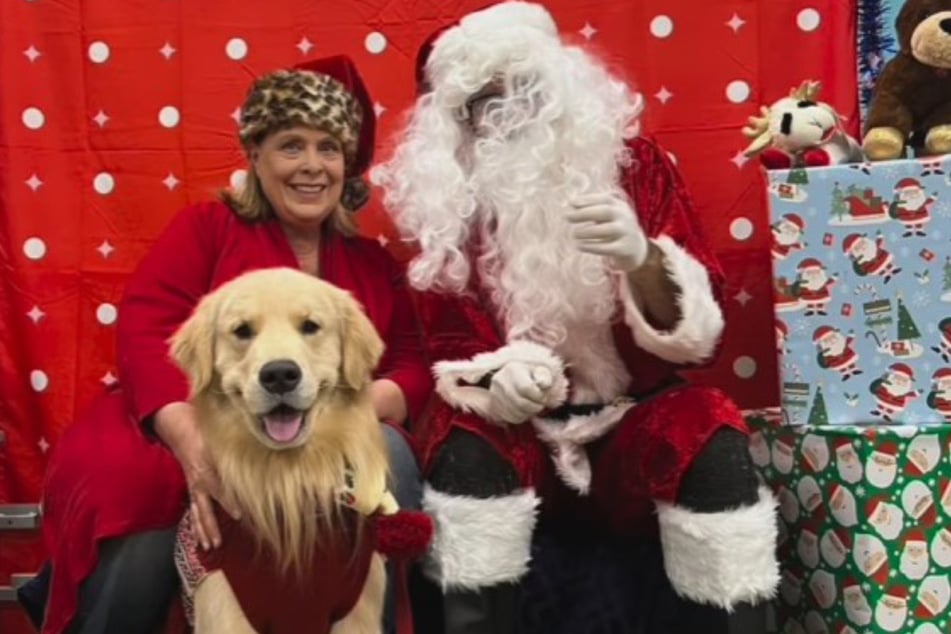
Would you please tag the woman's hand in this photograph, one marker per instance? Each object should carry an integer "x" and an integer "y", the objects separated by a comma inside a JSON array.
[{"x": 177, "y": 426}]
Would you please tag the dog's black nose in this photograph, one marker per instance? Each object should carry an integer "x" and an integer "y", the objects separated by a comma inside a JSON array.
[
  {"x": 945, "y": 25},
  {"x": 279, "y": 377}
]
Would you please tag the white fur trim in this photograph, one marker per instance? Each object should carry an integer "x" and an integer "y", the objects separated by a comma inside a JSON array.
[
  {"x": 694, "y": 338},
  {"x": 479, "y": 542},
  {"x": 567, "y": 440},
  {"x": 477, "y": 399},
  {"x": 722, "y": 558}
]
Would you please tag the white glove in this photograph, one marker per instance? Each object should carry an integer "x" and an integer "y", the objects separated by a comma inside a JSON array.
[
  {"x": 604, "y": 224},
  {"x": 518, "y": 391}
]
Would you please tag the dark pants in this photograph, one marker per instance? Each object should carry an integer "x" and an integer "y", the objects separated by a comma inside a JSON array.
[{"x": 135, "y": 578}]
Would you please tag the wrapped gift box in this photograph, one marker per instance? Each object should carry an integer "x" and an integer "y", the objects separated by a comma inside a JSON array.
[
  {"x": 862, "y": 279},
  {"x": 865, "y": 539}
]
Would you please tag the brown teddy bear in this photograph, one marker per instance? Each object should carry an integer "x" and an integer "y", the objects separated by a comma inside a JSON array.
[{"x": 913, "y": 93}]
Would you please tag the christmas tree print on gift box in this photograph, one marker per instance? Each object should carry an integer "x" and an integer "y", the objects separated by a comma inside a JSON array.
[
  {"x": 865, "y": 539},
  {"x": 862, "y": 290}
]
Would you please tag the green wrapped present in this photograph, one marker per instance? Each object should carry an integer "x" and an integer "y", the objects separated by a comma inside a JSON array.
[{"x": 865, "y": 538}]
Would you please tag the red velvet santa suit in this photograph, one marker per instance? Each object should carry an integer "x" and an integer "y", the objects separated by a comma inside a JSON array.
[
  {"x": 631, "y": 476},
  {"x": 106, "y": 478}
]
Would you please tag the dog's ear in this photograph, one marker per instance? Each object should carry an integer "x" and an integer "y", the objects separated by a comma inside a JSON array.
[
  {"x": 361, "y": 345},
  {"x": 192, "y": 345}
]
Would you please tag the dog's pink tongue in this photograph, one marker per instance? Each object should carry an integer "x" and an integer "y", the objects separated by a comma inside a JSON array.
[{"x": 283, "y": 426}]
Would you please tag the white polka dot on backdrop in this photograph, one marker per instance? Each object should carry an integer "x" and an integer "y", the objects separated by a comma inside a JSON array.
[
  {"x": 662, "y": 26},
  {"x": 375, "y": 43},
  {"x": 34, "y": 248},
  {"x": 99, "y": 52},
  {"x": 738, "y": 91},
  {"x": 741, "y": 229},
  {"x": 169, "y": 116},
  {"x": 808, "y": 19},
  {"x": 236, "y": 48},
  {"x": 33, "y": 118},
  {"x": 103, "y": 183},
  {"x": 106, "y": 314},
  {"x": 39, "y": 381}
]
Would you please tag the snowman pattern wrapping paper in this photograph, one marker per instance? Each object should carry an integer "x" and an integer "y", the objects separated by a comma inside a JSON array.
[
  {"x": 862, "y": 283},
  {"x": 865, "y": 540}
]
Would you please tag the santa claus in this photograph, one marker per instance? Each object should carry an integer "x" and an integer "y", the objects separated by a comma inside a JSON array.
[
  {"x": 892, "y": 609},
  {"x": 857, "y": 609},
  {"x": 842, "y": 505},
  {"x": 911, "y": 207},
  {"x": 784, "y": 454},
  {"x": 914, "y": 557},
  {"x": 815, "y": 452},
  {"x": 924, "y": 453},
  {"x": 822, "y": 587},
  {"x": 807, "y": 546},
  {"x": 869, "y": 257},
  {"x": 813, "y": 286},
  {"x": 847, "y": 461},
  {"x": 939, "y": 399},
  {"x": 886, "y": 518},
  {"x": 835, "y": 352},
  {"x": 871, "y": 557},
  {"x": 834, "y": 546},
  {"x": 944, "y": 491},
  {"x": 944, "y": 346},
  {"x": 933, "y": 596},
  {"x": 787, "y": 236},
  {"x": 759, "y": 449},
  {"x": 782, "y": 333},
  {"x": 563, "y": 281},
  {"x": 941, "y": 548},
  {"x": 918, "y": 502},
  {"x": 893, "y": 391},
  {"x": 881, "y": 467}
]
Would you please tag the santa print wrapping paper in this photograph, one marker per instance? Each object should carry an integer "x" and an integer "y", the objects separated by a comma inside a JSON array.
[
  {"x": 865, "y": 531},
  {"x": 862, "y": 282}
]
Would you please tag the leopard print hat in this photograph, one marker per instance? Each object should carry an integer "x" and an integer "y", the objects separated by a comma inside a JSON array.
[{"x": 326, "y": 93}]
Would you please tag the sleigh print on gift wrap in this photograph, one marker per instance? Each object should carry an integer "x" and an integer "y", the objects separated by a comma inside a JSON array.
[{"x": 862, "y": 287}]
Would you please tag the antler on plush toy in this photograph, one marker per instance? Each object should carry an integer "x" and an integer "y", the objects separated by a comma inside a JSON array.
[{"x": 799, "y": 130}]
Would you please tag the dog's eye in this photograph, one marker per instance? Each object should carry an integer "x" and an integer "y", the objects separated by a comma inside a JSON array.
[
  {"x": 243, "y": 331},
  {"x": 309, "y": 327},
  {"x": 805, "y": 103}
]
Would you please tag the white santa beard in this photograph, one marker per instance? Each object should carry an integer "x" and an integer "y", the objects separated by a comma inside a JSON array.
[
  {"x": 913, "y": 566},
  {"x": 890, "y": 619},
  {"x": 891, "y": 526},
  {"x": 913, "y": 202},
  {"x": 880, "y": 475},
  {"x": 857, "y": 608},
  {"x": 941, "y": 550},
  {"x": 816, "y": 282},
  {"x": 539, "y": 280},
  {"x": 850, "y": 471}
]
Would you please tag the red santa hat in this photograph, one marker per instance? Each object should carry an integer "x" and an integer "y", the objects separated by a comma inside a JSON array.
[
  {"x": 945, "y": 325},
  {"x": 915, "y": 535},
  {"x": 809, "y": 263},
  {"x": 907, "y": 183},
  {"x": 840, "y": 443},
  {"x": 889, "y": 448},
  {"x": 902, "y": 370},
  {"x": 880, "y": 576},
  {"x": 843, "y": 537},
  {"x": 941, "y": 374},
  {"x": 871, "y": 507},
  {"x": 849, "y": 583},
  {"x": 899, "y": 593},
  {"x": 849, "y": 242},
  {"x": 821, "y": 333},
  {"x": 796, "y": 220},
  {"x": 927, "y": 608}
]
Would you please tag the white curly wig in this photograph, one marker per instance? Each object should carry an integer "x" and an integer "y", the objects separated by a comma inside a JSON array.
[{"x": 557, "y": 134}]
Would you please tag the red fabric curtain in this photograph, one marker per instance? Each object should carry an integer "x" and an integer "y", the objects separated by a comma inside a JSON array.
[{"x": 114, "y": 115}]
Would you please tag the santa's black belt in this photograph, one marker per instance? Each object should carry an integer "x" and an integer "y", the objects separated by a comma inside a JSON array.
[{"x": 570, "y": 410}]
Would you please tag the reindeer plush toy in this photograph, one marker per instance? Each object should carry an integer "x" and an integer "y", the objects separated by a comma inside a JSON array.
[{"x": 800, "y": 131}]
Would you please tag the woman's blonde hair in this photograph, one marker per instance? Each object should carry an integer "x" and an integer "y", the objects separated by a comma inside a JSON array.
[{"x": 250, "y": 203}]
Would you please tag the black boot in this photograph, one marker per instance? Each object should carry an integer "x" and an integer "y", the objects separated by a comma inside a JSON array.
[
  {"x": 491, "y": 610},
  {"x": 722, "y": 477},
  {"x": 33, "y": 594}
]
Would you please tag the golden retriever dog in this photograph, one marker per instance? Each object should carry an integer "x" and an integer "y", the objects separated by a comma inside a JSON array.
[{"x": 279, "y": 365}]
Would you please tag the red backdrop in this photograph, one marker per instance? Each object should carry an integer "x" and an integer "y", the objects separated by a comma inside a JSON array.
[{"x": 114, "y": 115}]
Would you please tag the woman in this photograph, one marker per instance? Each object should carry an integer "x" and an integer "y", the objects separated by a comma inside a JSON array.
[{"x": 120, "y": 477}]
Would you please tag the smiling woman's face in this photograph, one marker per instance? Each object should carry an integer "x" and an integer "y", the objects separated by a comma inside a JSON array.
[{"x": 301, "y": 171}]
